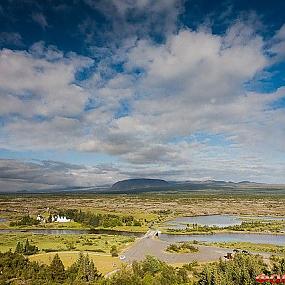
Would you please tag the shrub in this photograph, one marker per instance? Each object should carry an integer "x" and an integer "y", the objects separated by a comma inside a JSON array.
[
  {"x": 184, "y": 247},
  {"x": 114, "y": 251}
]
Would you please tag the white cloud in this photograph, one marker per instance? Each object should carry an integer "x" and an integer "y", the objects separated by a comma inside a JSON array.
[
  {"x": 56, "y": 133},
  {"x": 278, "y": 45},
  {"x": 45, "y": 84},
  {"x": 192, "y": 84}
]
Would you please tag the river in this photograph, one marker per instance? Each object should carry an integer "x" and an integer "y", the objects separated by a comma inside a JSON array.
[
  {"x": 227, "y": 237},
  {"x": 70, "y": 232}
]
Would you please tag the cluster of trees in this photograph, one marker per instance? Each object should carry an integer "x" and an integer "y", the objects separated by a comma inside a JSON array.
[
  {"x": 151, "y": 271},
  {"x": 196, "y": 228},
  {"x": 86, "y": 218},
  {"x": 183, "y": 247},
  {"x": 278, "y": 265},
  {"x": 83, "y": 271},
  {"x": 99, "y": 220},
  {"x": 27, "y": 248},
  {"x": 241, "y": 270},
  {"x": 16, "y": 269},
  {"x": 260, "y": 226},
  {"x": 26, "y": 220}
]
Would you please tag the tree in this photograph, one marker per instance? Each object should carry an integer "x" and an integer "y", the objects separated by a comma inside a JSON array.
[
  {"x": 83, "y": 270},
  {"x": 151, "y": 265},
  {"x": 29, "y": 249},
  {"x": 57, "y": 269},
  {"x": 87, "y": 270},
  {"x": 182, "y": 275},
  {"x": 114, "y": 251},
  {"x": 279, "y": 267},
  {"x": 25, "y": 220},
  {"x": 49, "y": 220},
  {"x": 27, "y": 246},
  {"x": 19, "y": 248},
  {"x": 168, "y": 275}
]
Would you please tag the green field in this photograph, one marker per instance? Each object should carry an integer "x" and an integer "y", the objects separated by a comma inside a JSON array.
[{"x": 87, "y": 242}]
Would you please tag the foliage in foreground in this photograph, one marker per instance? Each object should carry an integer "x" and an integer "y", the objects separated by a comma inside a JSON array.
[
  {"x": 27, "y": 248},
  {"x": 17, "y": 269},
  {"x": 149, "y": 272},
  {"x": 241, "y": 270}
]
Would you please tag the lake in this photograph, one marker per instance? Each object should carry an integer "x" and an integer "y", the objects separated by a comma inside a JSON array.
[
  {"x": 214, "y": 220},
  {"x": 227, "y": 237}
]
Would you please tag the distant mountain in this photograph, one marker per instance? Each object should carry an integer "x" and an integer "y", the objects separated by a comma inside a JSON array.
[
  {"x": 139, "y": 183},
  {"x": 215, "y": 183},
  {"x": 249, "y": 182},
  {"x": 148, "y": 185}
]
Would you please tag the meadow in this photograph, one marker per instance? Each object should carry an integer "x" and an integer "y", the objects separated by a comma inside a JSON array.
[
  {"x": 46, "y": 243},
  {"x": 149, "y": 209},
  {"x": 104, "y": 263},
  {"x": 68, "y": 247}
]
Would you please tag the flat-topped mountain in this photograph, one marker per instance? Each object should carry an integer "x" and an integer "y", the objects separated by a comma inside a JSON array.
[{"x": 139, "y": 183}]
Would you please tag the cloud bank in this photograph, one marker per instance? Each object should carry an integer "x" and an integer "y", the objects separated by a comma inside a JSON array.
[{"x": 181, "y": 107}]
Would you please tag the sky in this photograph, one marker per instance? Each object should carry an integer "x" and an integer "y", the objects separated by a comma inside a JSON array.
[{"x": 95, "y": 91}]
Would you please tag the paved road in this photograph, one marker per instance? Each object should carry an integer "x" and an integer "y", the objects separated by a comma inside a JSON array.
[{"x": 150, "y": 245}]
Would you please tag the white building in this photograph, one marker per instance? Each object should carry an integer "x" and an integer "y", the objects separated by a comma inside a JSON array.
[{"x": 60, "y": 219}]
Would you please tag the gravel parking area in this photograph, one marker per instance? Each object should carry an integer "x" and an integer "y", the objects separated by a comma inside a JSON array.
[{"x": 150, "y": 245}]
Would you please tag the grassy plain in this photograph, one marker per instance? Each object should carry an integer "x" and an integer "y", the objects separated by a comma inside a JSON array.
[
  {"x": 151, "y": 209},
  {"x": 104, "y": 263},
  {"x": 148, "y": 206},
  {"x": 84, "y": 242}
]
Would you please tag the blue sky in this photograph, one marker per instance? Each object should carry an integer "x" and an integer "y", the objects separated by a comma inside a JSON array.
[{"x": 96, "y": 91}]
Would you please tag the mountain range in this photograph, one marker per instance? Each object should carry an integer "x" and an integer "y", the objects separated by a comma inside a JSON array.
[{"x": 138, "y": 185}]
